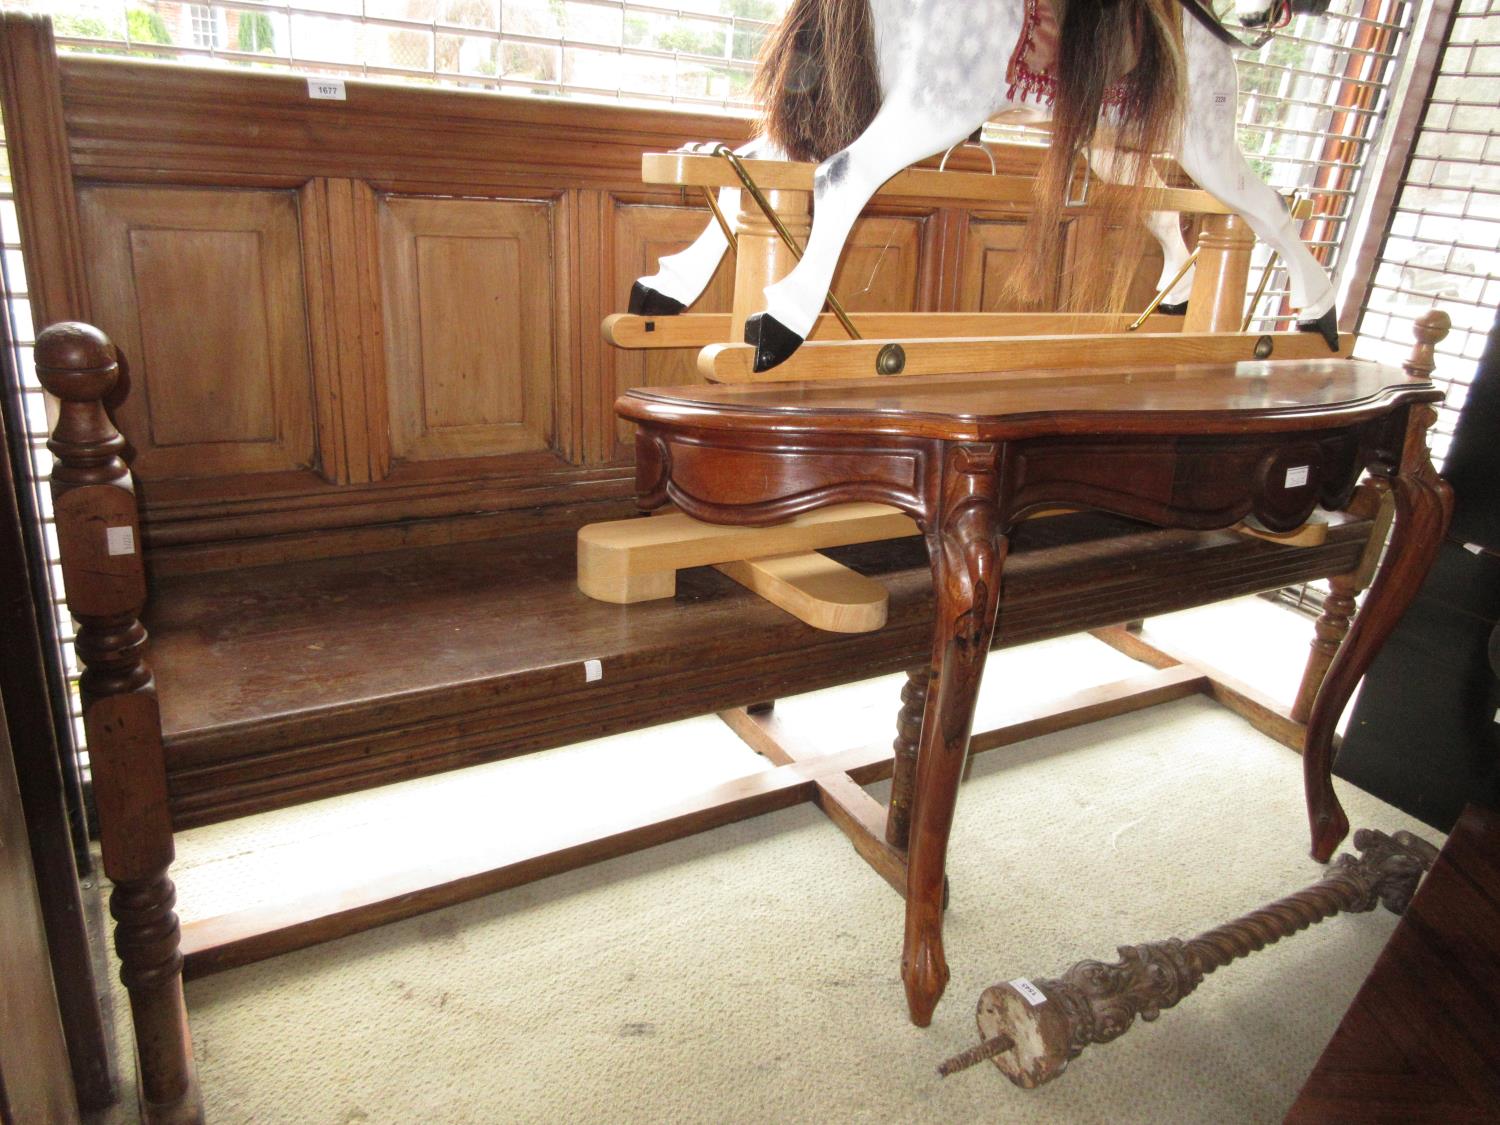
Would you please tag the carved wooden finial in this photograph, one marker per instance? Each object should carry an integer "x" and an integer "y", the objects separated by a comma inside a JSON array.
[
  {"x": 1430, "y": 329},
  {"x": 77, "y": 363}
]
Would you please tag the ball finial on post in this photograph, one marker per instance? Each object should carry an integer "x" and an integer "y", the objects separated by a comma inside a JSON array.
[
  {"x": 1430, "y": 329},
  {"x": 78, "y": 364}
]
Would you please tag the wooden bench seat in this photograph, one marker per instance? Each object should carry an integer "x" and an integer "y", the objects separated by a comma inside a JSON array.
[{"x": 284, "y": 684}]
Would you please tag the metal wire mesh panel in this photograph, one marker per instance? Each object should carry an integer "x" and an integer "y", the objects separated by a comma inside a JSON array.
[
  {"x": 697, "y": 52},
  {"x": 1312, "y": 104},
  {"x": 31, "y": 414},
  {"x": 1442, "y": 247}
]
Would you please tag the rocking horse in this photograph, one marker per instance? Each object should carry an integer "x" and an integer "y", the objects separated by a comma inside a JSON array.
[{"x": 867, "y": 88}]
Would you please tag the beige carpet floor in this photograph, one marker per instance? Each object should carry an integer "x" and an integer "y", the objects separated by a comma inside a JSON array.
[{"x": 751, "y": 974}]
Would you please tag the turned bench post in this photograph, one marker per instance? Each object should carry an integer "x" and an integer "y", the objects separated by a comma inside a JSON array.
[
  {"x": 98, "y": 537},
  {"x": 1217, "y": 300},
  {"x": 762, "y": 258}
]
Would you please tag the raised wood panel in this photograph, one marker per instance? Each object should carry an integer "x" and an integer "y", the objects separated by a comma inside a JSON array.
[
  {"x": 879, "y": 269},
  {"x": 203, "y": 291},
  {"x": 471, "y": 324},
  {"x": 644, "y": 234},
  {"x": 992, "y": 249}
]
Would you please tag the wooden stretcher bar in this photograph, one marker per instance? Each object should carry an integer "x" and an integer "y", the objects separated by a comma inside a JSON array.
[{"x": 697, "y": 330}]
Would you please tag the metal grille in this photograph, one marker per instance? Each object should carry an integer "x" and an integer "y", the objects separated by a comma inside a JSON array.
[
  {"x": 1442, "y": 245},
  {"x": 698, "y": 52},
  {"x": 1312, "y": 104},
  {"x": 36, "y": 466}
]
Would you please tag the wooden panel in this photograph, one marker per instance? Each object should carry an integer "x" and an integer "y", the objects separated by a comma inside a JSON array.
[
  {"x": 471, "y": 309},
  {"x": 1418, "y": 1042},
  {"x": 992, "y": 251},
  {"x": 642, "y": 236},
  {"x": 203, "y": 292},
  {"x": 880, "y": 264}
]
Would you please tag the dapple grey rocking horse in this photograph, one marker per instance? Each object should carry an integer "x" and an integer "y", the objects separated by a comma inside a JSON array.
[{"x": 867, "y": 87}]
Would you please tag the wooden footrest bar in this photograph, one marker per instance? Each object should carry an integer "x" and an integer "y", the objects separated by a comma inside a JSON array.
[{"x": 856, "y": 359}]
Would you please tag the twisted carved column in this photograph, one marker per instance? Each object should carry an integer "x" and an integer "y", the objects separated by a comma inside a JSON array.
[
  {"x": 99, "y": 541},
  {"x": 1033, "y": 1029},
  {"x": 908, "y": 733}
]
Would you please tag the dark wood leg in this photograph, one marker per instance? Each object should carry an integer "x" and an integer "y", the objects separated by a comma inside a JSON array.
[
  {"x": 967, "y": 547},
  {"x": 1423, "y": 508},
  {"x": 98, "y": 535},
  {"x": 904, "y": 775}
]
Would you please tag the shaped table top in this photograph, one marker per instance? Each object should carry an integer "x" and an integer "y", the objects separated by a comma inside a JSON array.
[{"x": 1256, "y": 396}]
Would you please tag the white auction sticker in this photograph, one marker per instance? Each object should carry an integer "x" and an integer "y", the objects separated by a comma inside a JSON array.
[
  {"x": 1297, "y": 478},
  {"x": 592, "y": 670},
  {"x": 328, "y": 89},
  {"x": 1030, "y": 992},
  {"x": 120, "y": 540}
]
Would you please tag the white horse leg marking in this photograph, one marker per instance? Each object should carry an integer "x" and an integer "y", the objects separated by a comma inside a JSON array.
[
  {"x": 680, "y": 278},
  {"x": 942, "y": 69},
  {"x": 842, "y": 185},
  {"x": 1211, "y": 155}
]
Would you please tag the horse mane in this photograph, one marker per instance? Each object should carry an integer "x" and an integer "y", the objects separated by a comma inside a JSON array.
[
  {"x": 1132, "y": 51},
  {"x": 817, "y": 79}
]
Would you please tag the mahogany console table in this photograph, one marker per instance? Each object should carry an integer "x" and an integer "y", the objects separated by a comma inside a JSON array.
[{"x": 968, "y": 456}]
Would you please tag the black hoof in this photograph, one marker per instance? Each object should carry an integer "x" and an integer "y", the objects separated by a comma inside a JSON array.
[
  {"x": 774, "y": 342},
  {"x": 645, "y": 301},
  {"x": 1178, "y": 308},
  {"x": 1327, "y": 325}
]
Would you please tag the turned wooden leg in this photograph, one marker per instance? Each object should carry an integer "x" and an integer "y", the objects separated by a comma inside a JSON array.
[
  {"x": 1328, "y": 634},
  {"x": 967, "y": 548},
  {"x": 904, "y": 776},
  {"x": 1423, "y": 507},
  {"x": 99, "y": 542}
]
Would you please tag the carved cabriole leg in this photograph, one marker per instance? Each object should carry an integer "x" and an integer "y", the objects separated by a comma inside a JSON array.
[
  {"x": 99, "y": 542},
  {"x": 1423, "y": 509},
  {"x": 904, "y": 776},
  {"x": 1032, "y": 1042},
  {"x": 967, "y": 545}
]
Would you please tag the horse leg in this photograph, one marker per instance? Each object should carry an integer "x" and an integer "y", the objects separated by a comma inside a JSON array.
[
  {"x": 900, "y": 134},
  {"x": 1211, "y": 155},
  {"x": 1165, "y": 227},
  {"x": 680, "y": 278}
]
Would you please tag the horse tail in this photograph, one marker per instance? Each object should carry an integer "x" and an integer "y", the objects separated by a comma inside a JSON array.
[
  {"x": 817, "y": 78},
  {"x": 1125, "y": 57}
]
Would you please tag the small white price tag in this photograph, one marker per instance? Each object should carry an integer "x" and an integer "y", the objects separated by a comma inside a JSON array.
[
  {"x": 1029, "y": 992},
  {"x": 592, "y": 670},
  {"x": 1297, "y": 478},
  {"x": 328, "y": 89},
  {"x": 120, "y": 540}
]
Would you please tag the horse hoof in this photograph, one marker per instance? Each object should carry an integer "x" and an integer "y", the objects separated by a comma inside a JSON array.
[
  {"x": 774, "y": 342},
  {"x": 645, "y": 301},
  {"x": 1327, "y": 325},
  {"x": 1176, "y": 308}
]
